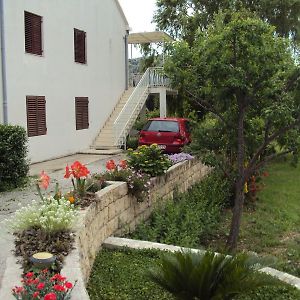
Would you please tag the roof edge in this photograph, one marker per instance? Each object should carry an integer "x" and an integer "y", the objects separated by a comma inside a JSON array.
[{"x": 122, "y": 14}]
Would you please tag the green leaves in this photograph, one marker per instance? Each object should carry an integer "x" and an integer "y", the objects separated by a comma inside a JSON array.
[
  {"x": 149, "y": 160},
  {"x": 208, "y": 276},
  {"x": 191, "y": 218},
  {"x": 13, "y": 151}
]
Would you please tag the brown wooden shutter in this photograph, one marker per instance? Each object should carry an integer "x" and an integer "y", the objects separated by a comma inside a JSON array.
[
  {"x": 33, "y": 33},
  {"x": 36, "y": 115},
  {"x": 80, "y": 46},
  {"x": 82, "y": 112}
]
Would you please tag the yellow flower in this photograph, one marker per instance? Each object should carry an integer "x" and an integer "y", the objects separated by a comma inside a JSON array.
[
  {"x": 129, "y": 149},
  {"x": 246, "y": 188}
]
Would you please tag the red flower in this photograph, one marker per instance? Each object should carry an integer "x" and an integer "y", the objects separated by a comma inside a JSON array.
[
  {"x": 44, "y": 180},
  {"x": 123, "y": 164},
  {"x": 58, "y": 277},
  {"x": 35, "y": 281},
  {"x": 111, "y": 165},
  {"x": 29, "y": 274},
  {"x": 58, "y": 288},
  {"x": 18, "y": 290},
  {"x": 40, "y": 286},
  {"x": 68, "y": 173},
  {"x": 79, "y": 170},
  {"x": 68, "y": 285},
  {"x": 50, "y": 296},
  {"x": 265, "y": 174},
  {"x": 35, "y": 294},
  {"x": 29, "y": 281}
]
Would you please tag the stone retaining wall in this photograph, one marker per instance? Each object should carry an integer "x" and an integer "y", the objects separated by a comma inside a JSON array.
[{"x": 115, "y": 211}]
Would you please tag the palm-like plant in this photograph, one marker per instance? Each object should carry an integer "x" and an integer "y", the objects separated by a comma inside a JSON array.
[{"x": 209, "y": 276}]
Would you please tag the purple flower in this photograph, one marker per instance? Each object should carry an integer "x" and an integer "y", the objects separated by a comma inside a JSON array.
[{"x": 178, "y": 157}]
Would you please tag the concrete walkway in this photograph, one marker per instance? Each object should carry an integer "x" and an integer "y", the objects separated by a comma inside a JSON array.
[{"x": 11, "y": 201}]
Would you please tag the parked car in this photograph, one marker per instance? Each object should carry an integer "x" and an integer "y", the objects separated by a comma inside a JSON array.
[{"x": 171, "y": 134}]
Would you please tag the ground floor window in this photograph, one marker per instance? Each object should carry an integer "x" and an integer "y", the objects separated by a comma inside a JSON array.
[
  {"x": 82, "y": 112},
  {"x": 36, "y": 115}
]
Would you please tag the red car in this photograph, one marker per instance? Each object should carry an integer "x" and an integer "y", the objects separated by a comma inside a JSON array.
[{"x": 171, "y": 134}]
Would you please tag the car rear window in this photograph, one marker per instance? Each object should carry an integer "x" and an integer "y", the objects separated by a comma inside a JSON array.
[{"x": 162, "y": 126}]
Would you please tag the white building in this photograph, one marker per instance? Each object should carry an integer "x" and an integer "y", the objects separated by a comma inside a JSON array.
[
  {"x": 55, "y": 53},
  {"x": 64, "y": 74}
]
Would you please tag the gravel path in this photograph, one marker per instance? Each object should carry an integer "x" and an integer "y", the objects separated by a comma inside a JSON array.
[{"x": 11, "y": 201}]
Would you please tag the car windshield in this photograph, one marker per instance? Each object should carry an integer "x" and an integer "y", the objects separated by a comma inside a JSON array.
[{"x": 162, "y": 126}]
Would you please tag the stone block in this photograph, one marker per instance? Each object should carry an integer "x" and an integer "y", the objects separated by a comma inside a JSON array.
[{"x": 111, "y": 211}]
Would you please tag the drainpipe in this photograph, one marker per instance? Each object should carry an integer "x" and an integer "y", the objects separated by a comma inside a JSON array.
[
  {"x": 3, "y": 56},
  {"x": 126, "y": 60}
]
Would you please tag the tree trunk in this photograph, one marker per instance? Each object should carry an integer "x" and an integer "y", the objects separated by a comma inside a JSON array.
[
  {"x": 239, "y": 184},
  {"x": 236, "y": 216}
]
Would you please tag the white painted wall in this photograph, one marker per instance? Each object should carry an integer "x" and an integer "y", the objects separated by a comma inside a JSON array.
[
  {"x": 1, "y": 87},
  {"x": 57, "y": 77}
]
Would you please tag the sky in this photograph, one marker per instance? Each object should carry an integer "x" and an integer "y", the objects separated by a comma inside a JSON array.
[{"x": 139, "y": 14}]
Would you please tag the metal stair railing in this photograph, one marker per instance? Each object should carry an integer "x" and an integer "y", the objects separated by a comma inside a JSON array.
[{"x": 153, "y": 77}]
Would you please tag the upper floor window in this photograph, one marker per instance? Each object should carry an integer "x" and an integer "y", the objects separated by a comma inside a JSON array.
[
  {"x": 80, "y": 46},
  {"x": 36, "y": 115},
  {"x": 33, "y": 33}
]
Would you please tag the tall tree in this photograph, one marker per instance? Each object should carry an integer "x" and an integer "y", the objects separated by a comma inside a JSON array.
[
  {"x": 183, "y": 18},
  {"x": 244, "y": 75}
]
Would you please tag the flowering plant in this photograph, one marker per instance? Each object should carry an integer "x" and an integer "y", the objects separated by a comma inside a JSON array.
[
  {"x": 178, "y": 157},
  {"x": 43, "y": 286},
  {"x": 149, "y": 160},
  {"x": 138, "y": 183},
  {"x": 43, "y": 183},
  {"x": 51, "y": 216},
  {"x": 79, "y": 172}
]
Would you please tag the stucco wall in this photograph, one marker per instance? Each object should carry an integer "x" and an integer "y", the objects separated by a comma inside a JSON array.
[
  {"x": 1, "y": 91},
  {"x": 56, "y": 76},
  {"x": 116, "y": 211}
]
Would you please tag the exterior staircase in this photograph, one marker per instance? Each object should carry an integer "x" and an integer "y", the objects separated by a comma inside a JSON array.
[
  {"x": 105, "y": 138},
  {"x": 114, "y": 132}
]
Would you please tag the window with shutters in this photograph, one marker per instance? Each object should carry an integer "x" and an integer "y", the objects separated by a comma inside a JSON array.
[
  {"x": 36, "y": 115},
  {"x": 82, "y": 112},
  {"x": 33, "y": 33},
  {"x": 80, "y": 46}
]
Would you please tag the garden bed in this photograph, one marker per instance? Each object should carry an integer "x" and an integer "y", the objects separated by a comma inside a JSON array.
[{"x": 122, "y": 274}]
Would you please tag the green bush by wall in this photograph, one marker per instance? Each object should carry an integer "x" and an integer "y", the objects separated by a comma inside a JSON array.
[{"x": 13, "y": 151}]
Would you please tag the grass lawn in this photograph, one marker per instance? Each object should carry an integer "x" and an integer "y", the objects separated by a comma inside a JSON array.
[
  {"x": 273, "y": 228},
  {"x": 121, "y": 275}
]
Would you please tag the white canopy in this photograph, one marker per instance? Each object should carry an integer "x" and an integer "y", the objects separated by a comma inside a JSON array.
[{"x": 148, "y": 37}]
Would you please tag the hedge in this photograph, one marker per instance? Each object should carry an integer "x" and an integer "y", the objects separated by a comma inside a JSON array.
[{"x": 14, "y": 165}]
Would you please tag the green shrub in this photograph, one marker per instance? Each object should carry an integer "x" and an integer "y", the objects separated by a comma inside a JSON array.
[
  {"x": 191, "y": 218},
  {"x": 149, "y": 160},
  {"x": 208, "y": 276},
  {"x": 13, "y": 150}
]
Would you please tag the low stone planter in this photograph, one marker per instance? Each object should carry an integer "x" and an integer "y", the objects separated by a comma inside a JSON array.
[{"x": 113, "y": 212}]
